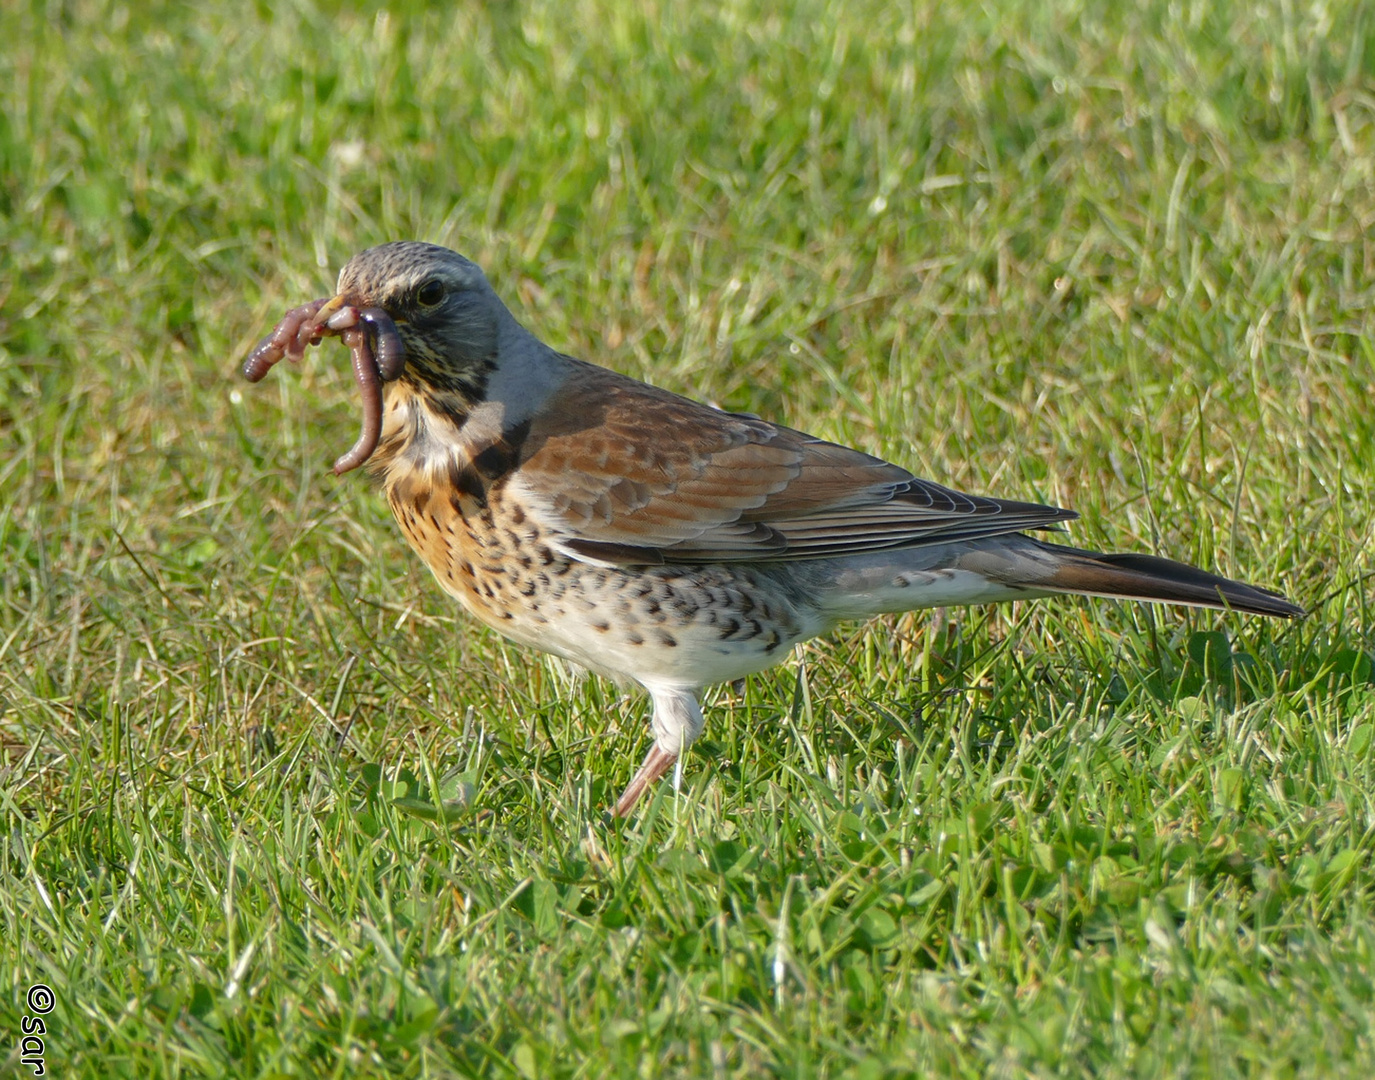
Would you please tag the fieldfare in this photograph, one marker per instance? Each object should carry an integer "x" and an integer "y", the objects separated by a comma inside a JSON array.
[{"x": 647, "y": 536}]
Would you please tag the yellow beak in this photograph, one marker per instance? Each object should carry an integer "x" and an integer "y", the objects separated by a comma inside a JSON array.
[{"x": 328, "y": 314}]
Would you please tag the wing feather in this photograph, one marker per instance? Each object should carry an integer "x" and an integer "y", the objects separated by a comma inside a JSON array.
[{"x": 625, "y": 473}]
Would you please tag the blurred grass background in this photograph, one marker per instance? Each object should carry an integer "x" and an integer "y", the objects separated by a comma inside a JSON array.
[{"x": 273, "y": 807}]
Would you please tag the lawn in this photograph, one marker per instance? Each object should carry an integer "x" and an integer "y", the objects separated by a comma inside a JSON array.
[{"x": 271, "y": 805}]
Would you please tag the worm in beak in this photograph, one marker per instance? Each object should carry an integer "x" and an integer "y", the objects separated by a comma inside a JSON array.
[{"x": 378, "y": 353}]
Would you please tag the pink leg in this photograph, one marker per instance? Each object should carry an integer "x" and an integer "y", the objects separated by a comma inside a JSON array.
[{"x": 656, "y": 763}]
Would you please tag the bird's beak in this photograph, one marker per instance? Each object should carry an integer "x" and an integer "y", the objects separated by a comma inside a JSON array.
[{"x": 337, "y": 314}]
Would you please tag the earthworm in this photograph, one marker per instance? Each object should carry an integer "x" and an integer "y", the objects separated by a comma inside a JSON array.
[
  {"x": 298, "y": 329},
  {"x": 391, "y": 351},
  {"x": 288, "y": 338},
  {"x": 366, "y": 373}
]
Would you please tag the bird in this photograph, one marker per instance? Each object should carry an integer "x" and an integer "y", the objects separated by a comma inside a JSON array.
[{"x": 649, "y": 537}]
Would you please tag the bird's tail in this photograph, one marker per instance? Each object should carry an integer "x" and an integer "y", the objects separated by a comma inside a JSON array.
[{"x": 1147, "y": 577}]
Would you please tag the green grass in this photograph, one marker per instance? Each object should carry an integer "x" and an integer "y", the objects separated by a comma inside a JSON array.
[{"x": 271, "y": 806}]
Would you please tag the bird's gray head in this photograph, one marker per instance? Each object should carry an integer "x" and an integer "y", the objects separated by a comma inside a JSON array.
[{"x": 445, "y": 311}]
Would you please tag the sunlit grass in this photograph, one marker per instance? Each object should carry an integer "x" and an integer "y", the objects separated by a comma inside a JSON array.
[{"x": 273, "y": 806}]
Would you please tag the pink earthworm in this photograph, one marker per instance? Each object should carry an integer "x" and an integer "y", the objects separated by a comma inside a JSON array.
[
  {"x": 358, "y": 328},
  {"x": 288, "y": 338},
  {"x": 370, "y": 386},
  {"x": 391, "y": 351}
]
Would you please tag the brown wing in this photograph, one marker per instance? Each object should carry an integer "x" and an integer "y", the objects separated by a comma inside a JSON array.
[{"x": 626, "y": 473}]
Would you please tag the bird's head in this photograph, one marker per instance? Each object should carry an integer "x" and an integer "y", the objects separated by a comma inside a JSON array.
[{"x": 445, "y": 314}]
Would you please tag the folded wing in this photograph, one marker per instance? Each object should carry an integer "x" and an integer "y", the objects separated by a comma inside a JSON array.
[{"x": 625, "y": 473}]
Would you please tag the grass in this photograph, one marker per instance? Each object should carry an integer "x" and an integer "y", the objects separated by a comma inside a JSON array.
[{"x": 273, "y": 807}]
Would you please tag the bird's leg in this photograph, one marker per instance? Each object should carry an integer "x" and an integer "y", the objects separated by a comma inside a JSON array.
[
  {"x": 657, "y": 762},
  {"x": 677, "y": 721}
]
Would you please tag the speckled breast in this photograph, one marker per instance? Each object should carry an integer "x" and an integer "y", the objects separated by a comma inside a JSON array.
[{"x": 683, "y": 625}]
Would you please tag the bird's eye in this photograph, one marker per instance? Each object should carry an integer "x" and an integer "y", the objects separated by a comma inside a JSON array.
[{"x": 430, "y": 293}]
